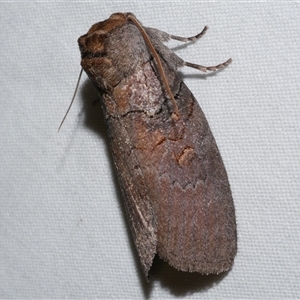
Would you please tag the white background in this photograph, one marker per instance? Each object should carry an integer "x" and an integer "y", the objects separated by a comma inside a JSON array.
[{"x": 63, "y": 230}]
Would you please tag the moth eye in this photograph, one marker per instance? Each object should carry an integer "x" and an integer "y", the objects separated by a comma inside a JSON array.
[{"x": 94, "y": 43}]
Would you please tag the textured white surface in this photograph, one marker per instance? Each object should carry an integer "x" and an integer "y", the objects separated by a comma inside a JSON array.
[{"x": 63, "y": 230}]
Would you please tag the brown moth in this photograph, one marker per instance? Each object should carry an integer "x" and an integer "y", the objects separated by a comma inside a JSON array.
[{"x": 174, "y": 183}]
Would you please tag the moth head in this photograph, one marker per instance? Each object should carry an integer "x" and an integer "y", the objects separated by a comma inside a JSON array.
[
  {"x": 111, "y": 49},
  {"x": 92, "y": 42}
]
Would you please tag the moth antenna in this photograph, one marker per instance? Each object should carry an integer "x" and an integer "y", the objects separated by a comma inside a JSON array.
[
  {"x": 75, "y": 92},
  {"x": 159, "y": 65}
]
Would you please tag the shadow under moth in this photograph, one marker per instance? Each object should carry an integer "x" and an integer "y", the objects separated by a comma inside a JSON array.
[{"x": 173, "y": 180}]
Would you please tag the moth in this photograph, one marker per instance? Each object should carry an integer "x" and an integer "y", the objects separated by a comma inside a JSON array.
[{"x": 173, "y": 180}]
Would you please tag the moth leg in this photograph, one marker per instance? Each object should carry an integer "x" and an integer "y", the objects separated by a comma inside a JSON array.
[
  {"x": 189, "y": 39},
  {"x": 174, "y": 61},
  {"x": 195, "y": 66},
  {"x": 156, "y": 34},
  {"x": 212, "y": 68}
]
